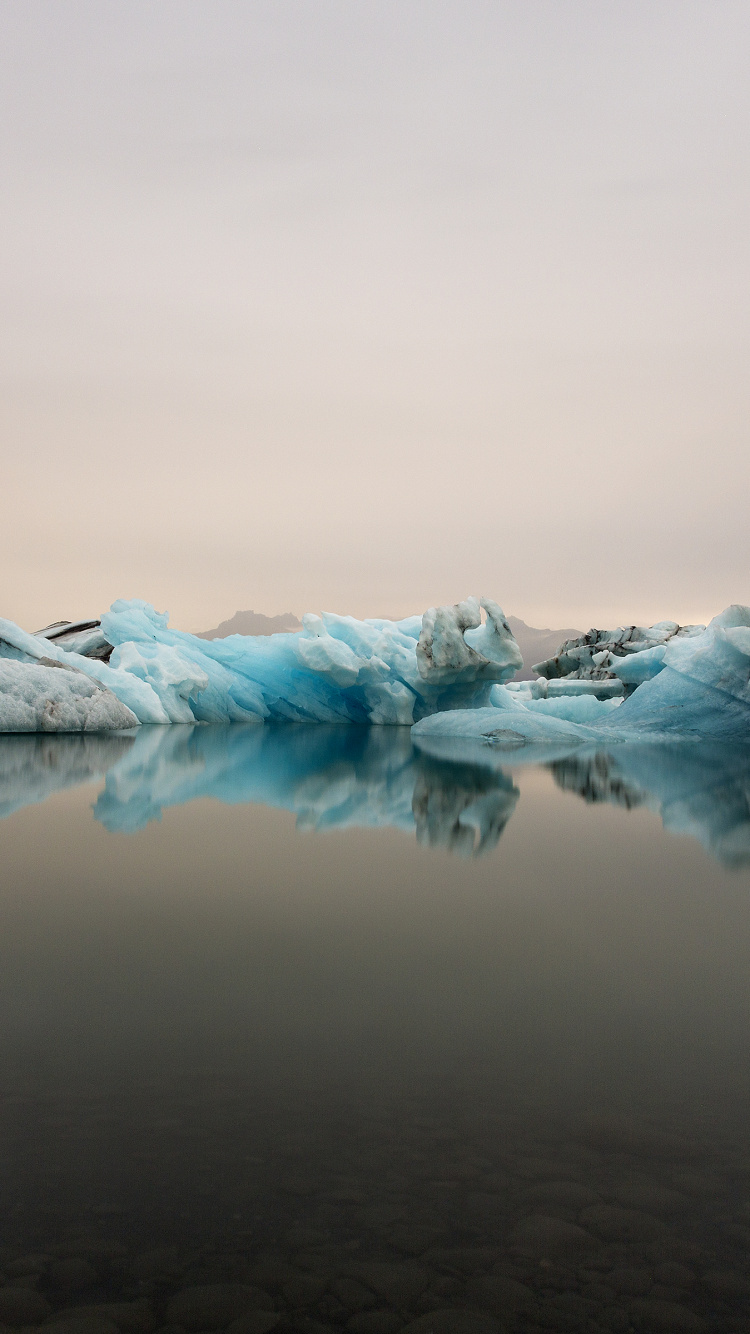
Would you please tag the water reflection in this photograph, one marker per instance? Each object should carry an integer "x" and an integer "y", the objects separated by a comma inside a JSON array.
[
  {"x": 33, "y": 766},
  {"x": 347, "y": 777},
  {"x": 703, "y": 791},
  {"x": 389, "y": 1090}
]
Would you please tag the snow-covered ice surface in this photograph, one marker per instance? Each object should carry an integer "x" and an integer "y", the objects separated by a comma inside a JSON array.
[{"x": 54, "y": 697}]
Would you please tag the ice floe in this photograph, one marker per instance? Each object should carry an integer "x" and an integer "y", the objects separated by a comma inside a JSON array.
[{"x": 697, "y": 687}]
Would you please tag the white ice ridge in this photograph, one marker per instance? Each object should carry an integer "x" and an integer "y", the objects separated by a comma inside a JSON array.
[{"x": 335, "y": 669}]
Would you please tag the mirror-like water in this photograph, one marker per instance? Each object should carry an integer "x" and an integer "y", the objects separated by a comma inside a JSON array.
[{"x": 363, "y": 1080}]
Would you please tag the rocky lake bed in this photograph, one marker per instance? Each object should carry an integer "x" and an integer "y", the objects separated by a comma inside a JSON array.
[{"x": 415, "y": 1224}]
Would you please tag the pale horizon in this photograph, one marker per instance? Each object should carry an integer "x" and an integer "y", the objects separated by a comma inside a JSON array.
[{"x": 368, "y": 308}]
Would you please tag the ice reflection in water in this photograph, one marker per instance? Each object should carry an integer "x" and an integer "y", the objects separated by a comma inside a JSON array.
[
  {"x": 701, "y": 790},
  {"x": 460, "y": 799},
  {"x": 33, "y": 766},
  {"x": 371, "y": 1083}
]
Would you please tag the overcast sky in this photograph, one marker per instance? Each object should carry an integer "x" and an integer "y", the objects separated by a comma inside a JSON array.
[{"x": 363, "y": 307}]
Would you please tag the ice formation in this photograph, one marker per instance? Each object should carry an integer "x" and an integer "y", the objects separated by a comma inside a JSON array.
[
  {"x": 137, "y": 695},
  {"x": 84, "y": 637},
  {"x": 50, "y": 696},
  {"x": 447, "y": 671},
  {"x": 336, "y": 669},
  {"x": 596, "y": 655},
  {"x": 695, "y": 686},
  {"x": 698, "y": 686}
]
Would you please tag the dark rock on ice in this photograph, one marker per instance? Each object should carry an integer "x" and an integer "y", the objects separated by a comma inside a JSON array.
[{"x": 84, "y": 637}]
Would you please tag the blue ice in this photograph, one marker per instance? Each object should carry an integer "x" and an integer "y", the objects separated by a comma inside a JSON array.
[
  {"x": 695, "y": 687},
  {"x": 336, "y": 669}
]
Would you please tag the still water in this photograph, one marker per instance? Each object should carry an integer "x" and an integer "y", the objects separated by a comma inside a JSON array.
[{"x": 300, "y": 1029}]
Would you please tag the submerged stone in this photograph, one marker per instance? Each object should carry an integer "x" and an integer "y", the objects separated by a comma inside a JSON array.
[
  {"x": 215, "y": 1305},
  {"x": 448, "y": 1320},
  {"x": 22, "y": 1306}
]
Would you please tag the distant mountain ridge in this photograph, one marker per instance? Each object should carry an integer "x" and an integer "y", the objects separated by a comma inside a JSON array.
[
  {"x": 535, "y": 645},
  {"x": 252, "y": 623}
]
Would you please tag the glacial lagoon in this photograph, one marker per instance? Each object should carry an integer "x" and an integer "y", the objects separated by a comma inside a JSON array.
[{"x": 320, "y": 1032}]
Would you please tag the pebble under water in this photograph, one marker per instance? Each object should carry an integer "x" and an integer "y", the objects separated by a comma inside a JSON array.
[{"x": 274, "y": 1057}]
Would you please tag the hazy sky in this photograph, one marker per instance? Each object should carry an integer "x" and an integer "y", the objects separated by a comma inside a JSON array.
[{"x": 363, "y": 306}]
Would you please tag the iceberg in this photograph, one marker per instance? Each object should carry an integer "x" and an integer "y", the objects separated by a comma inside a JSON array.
[
  {"x": 447, "y": 672},
  {"x": 596, "y": 655},
  {"x": 136, "y": 695},
  {"x": 700, "y": 688},
  {"x": 336, "y": 669},
  {"x": 51, "y": 696},
  {"x": 697, "y": 687}
]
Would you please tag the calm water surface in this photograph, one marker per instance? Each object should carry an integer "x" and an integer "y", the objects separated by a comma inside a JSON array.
[{"x": 371, "y": 1038}]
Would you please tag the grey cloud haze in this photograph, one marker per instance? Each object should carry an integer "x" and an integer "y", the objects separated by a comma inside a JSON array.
[{"x": 366, "y": 306}]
